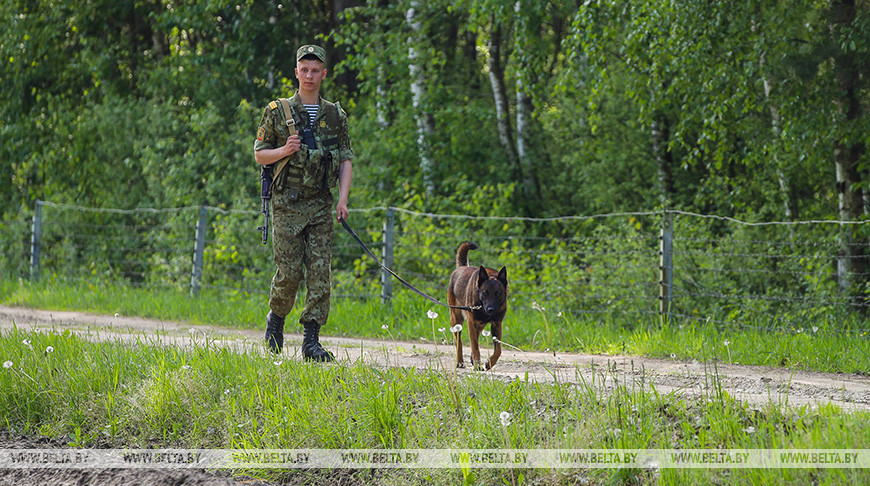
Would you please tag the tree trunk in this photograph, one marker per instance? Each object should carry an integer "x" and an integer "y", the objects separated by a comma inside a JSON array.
[
  {"x": 775, "y": 123},
  {"x": 848, "y": 151},
  {"x": 531, "y": 186},
  {"x": 525, "y": 109},
  {"x": 425, "y": 122},
  {"x": 502, "y": 108}
]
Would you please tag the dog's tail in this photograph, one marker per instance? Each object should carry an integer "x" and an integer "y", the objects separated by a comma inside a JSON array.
[{"x": 462, "y": 253}]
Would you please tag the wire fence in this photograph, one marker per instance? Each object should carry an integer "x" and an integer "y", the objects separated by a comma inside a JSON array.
[{"x": 620, "y": 266}]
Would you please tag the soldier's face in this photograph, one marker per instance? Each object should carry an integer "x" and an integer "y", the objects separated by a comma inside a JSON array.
[{"x": 310, "y": 74}]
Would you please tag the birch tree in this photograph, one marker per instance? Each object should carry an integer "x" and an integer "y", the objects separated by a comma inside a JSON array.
[{"x": 425, "y": 121}]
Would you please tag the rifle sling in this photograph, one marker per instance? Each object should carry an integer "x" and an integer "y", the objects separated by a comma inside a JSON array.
[{"x": 291, "y": 127}]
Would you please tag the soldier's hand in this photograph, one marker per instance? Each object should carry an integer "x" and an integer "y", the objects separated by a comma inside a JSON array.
[
  {"x": 341, "y": 211},
  {"x": 293, "y": 145}
]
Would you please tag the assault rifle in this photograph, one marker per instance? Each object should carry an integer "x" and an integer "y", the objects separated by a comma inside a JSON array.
[{"x": 265, "y": 198}]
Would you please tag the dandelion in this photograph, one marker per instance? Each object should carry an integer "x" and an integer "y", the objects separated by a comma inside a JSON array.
[
  {"x": 49, "y": 350},
  {"x": 485, "y": 333},
  {"x": 26, "y": 342},
  {"x": 504, "y": 418},
  {"x": 673, "y": 356},
  {"x": 227, "y": 391},
  {"x": 456, "y": 328},
  {"x": 7, "y": 364},
  {"x": 559, "y": 314},
  {"x": 441, "y": 329},
  {"x": 432, "y": 314},
  {"x": 749, "y": 430},
  {"x": 727, "y": 343},
  {"x": 117, "y": 315},
  {"x": 185, "y": 367},
  {"x": 385, "y": 327},
  {"x": 537, "y": 307},
  {"x": 278, "y": 363},
  {"x": 815, "y": 329}
]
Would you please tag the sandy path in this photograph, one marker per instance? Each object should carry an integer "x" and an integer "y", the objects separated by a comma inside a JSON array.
[{"x": 756, "y": 385}]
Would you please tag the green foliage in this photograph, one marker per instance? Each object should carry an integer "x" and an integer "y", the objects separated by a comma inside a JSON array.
[{"x": 736, "y": 110}]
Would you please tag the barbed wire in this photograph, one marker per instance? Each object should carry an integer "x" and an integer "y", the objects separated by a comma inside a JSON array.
[{"x": 604, "y": 263}]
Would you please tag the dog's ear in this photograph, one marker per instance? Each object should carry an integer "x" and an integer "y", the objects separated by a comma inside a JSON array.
[
  {"x": 502, "y": 276},
  {"x": 482, "y": 276}
]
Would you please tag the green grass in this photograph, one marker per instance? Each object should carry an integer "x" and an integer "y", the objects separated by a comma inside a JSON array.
[
  {"x": 818, "y": 346},
  {"x": 145, "y": 395}
]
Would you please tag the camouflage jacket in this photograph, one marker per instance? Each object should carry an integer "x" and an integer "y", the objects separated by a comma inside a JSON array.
[{"x": 310, "y": 170}]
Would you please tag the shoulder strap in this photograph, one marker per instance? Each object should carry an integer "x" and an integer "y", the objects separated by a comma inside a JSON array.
[{"x": 291, "y": 127}]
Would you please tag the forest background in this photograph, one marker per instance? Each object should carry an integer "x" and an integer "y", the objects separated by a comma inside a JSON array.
[{"x": 749, "y": 109}]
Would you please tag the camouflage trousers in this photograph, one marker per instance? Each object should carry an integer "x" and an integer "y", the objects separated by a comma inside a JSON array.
[{"x": 302, "y": 249}]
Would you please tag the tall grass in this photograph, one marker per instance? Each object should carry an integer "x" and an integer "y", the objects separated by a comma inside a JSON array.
[
  {"x": 143, "y": 394},
  {"x": 821, "y": 346}
]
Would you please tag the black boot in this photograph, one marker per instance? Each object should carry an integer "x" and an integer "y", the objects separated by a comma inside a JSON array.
[
  {"x": 274, "y": 332},
  {"x": 311, "y": 348}
]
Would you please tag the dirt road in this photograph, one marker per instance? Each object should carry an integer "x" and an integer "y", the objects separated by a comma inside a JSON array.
[{"x": 755, "y": 385}]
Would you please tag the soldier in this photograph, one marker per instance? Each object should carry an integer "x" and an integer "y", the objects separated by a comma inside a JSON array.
[{"x": 308, "y": 164}]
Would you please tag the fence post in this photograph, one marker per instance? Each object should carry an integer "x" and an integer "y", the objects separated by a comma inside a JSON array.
[
  {"x": 198, "y": 252},
  {"x": 35, "y": 240},
  {"x": 666, "y": 265},
  {"x": 387, "y": 256}
]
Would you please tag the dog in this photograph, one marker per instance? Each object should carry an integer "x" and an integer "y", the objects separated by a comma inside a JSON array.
[{"x": 485, "y": 290}]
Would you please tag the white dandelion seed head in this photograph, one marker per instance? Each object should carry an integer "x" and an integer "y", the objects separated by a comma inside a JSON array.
[
  {"x": 815, "y": 329},
  {"x": 432, "y": 314},
  {"x": 504, "y": 418},
  {"x": 673, "y": 356},
  {"x": 7, "y": 364},
  {"x": 49, "y": 349},
  {"x": 117, "y": 315},
  {"x": 26, "y": 342},
  {"x": 278, "y": 363},
  {"x": 727, "y": 343},
  {"x": 456, "y": 328},
  {"x": 227, "y": 391},
  {"x": 441, "y": 329},
  {"x": 185, "y": 367},
  {"x": 537, "y": 307},
  {"x": 385, "y": 327},
  {"x": 559, "y": 314},
  {"x": 485, "y": 333},
  {"x": 749, "y": 430}
]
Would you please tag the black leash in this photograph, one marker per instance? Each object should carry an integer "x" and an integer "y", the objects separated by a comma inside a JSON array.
[{"x": 400, "y": 279}]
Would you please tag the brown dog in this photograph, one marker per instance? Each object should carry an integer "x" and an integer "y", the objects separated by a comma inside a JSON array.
[{"x": 477, "y": 287}]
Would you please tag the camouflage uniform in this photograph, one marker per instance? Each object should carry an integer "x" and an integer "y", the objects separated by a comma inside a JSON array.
[{"x": 302, "y": 205}]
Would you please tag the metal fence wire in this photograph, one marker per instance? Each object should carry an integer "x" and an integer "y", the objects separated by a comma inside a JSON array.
[{"x": 626, "y": 266}]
